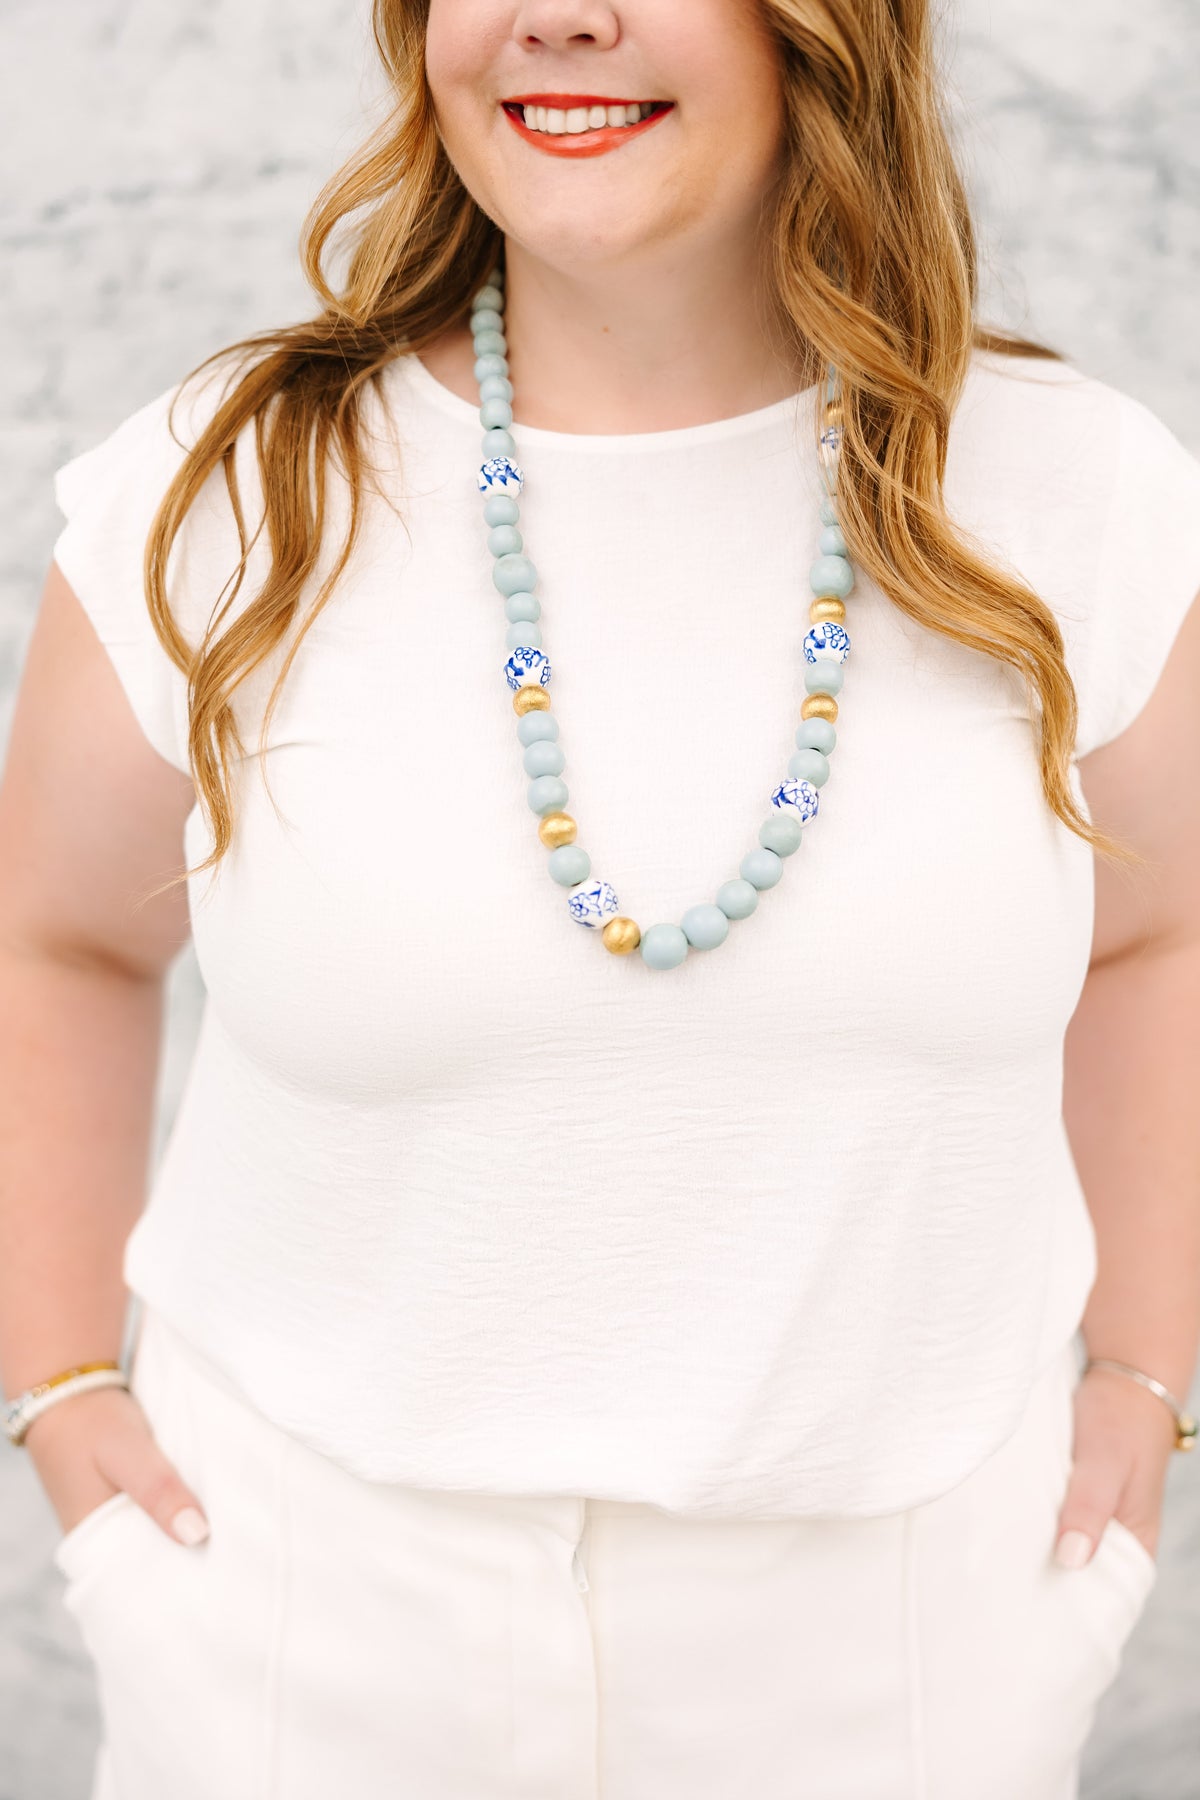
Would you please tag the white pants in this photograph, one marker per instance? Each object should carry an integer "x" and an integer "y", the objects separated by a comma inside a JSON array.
[{"x": 338, "y": 1637}]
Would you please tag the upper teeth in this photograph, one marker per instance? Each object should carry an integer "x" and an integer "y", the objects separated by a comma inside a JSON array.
[{"x": 556, "y": 119}]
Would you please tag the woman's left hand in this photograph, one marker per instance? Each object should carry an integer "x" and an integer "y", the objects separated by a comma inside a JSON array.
[{"x": 1124, "y": 1438}]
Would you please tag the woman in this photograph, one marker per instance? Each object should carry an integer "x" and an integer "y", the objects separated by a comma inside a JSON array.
[{"x": 619, "y": 1335}]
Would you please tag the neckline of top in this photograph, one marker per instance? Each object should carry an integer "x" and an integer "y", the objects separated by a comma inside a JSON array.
[{"x": 676, "y": 437}]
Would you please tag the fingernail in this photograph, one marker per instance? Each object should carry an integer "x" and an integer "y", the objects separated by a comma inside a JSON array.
[
  {"x": 190, "y": 1526},
  {"x": 1073, "y": 1549}
]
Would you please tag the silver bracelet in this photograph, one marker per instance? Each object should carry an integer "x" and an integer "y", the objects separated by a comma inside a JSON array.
[
  {"x": 20, "y": 1413},
  {"x": 1185, "y": 1425}
]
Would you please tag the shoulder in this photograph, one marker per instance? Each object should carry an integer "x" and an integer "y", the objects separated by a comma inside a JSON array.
[{"x": 1033, "y": 421}]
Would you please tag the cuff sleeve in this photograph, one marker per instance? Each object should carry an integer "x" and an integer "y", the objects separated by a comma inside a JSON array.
[
  {"x": 109, "y": 496},
  {"x": 1149, "y": 573}
]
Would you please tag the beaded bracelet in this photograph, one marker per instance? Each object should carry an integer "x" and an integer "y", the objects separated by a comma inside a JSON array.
[{"x": 19, "y": 1414}]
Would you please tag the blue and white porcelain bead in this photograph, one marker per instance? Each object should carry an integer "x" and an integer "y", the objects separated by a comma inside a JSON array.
[
  {"x": 816, "y": 734},
  {"x": 809, "y": 765},
  {"x": 826, "y": 641},
  {"x": 537, "y": 727},
  {"x": 782, "y": 833},
  {"x": 738, "y": 898},
  {"x": 486, "y": 318},
  {"x": 824, "y": 677},
  {"x": 498, "y": 443},
  {"x": 495, "y": 412},
  {"x": 527, "y": 667},
  {"x": 592, "y": 903},
  {"x": 831, "y": 542},
  {"x": 761, "y": 868},
  {"x": 663, "y": 946},
  {"x": 798, "y": 796},
  {"x": 545, "y": 757},
  {"x": 704, "y": 926},
  {"x": 569, "y": 865},
  {"x": 514, "y": 575},
  {"x": 490, "y": 365},
  {"x": 831, "y": 575},
  {"x": 547, "y": 793},
  {"x": 500, "y": 475},
  {"x": 505, "y": 540},
  {"x": 522, "y": 606},
  {"x": 829, "y": 510},
  {"x": 522, "y": 633},
  {"x": 500, "y": 509}
]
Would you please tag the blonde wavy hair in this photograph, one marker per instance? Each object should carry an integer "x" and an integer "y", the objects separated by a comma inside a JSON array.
[{"x": 873, "y": 267}]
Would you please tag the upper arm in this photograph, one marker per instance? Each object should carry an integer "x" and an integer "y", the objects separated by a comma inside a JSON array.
[
  {"x": 91, "y": 815},
  {"x": 1144, "y": 787}
]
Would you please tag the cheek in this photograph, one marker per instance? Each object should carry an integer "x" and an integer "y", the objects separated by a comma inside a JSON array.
[{"x": 462, "y": 40}]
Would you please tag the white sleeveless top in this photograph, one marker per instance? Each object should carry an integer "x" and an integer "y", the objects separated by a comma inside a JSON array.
[{"x": 464, "y": 1201}]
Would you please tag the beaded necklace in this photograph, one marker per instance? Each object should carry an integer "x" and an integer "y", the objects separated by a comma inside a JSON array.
[{"x": 794, "y": 803}]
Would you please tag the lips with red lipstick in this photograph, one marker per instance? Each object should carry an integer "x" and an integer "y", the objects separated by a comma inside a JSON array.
[{"x": 581, "y": 124}]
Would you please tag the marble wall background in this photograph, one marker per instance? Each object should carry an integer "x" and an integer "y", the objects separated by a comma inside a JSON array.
[{"x": 158, "y": 161}]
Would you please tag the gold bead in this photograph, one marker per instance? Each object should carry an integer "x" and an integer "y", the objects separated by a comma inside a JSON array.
[
  {"x": 621, "y": 935},
  {"x": 819, "y": 706},
  {"x": 530, "y": 699},
  {"x": 828, "y": 607},
  {"x": 557, "y": 828},
  {"x": 833, "y": 413}
]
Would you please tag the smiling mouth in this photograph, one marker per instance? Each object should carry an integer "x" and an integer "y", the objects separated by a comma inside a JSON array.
[{"x": 581, "y": 124}]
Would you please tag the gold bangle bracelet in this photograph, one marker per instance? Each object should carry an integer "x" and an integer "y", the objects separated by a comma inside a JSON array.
[{"x": 1185, "y": 1425}]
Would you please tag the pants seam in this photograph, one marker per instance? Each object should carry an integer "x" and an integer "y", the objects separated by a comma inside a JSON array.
[
  {"x": 916, "y": 1693},
  {"x": 276, "y": 1632}
]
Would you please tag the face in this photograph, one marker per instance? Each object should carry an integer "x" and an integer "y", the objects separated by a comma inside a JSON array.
[{"x": 517, "y": 86}]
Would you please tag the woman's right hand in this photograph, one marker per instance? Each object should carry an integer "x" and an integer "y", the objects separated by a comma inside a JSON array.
[{"x": 91, "y": 1446}]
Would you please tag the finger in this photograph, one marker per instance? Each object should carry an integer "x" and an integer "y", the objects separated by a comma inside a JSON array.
[
  {"x": 1088, "y": 1504},
  {"x": 136, "y": 1463}
]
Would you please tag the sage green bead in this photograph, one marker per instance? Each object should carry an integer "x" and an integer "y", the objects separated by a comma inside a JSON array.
[
  {"x": 514, "y": 574},
  {"x": 523, "y": 631},
  {"x": 486, "y": 318},
  {"x": 522, "y": 606},
  {"x": 824, "y": 676},
  {"x": 737, "y": 899},
  {"x": 533, "y": 727},
  {"x": 782, "y": 833},
  {"x": 547, "y": 793},
  {"x": 490, "y": 365},
  {"x": 816, "y": 734},
  {"x": 705, "y": 926},
  {"x": 498, "y": 443},
  {"x": 488, "y": 295},
  {"x": 496, "y": 387},
  {"x": 663, "y": 946},
  {"x": 490, "y": 343},
  {"x": 568, "y": 864},
  {"x": 828, "y": 511},
  {"x": 546, "y": 758},
  {"x": 504, "y": 540},
  {"x": 494, "y": 413},
  {"x": 761, "y": 868},
  {"x": 831, "y": 575},
  {"x": 831, "y": 542},
  {"x": 809, "y": 765},
  {"x": 500, "y": 509}
]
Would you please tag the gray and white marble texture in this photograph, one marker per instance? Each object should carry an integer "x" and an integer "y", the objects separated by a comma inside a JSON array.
[{"x": 158, "y": 162}]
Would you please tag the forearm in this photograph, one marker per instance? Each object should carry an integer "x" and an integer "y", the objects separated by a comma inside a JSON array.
[
  {"x": 79, "y": 1047},
  {"x": 1132, "y": 1110}
]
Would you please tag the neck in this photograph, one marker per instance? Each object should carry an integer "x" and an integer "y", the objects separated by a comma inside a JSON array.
[{"x": 632, "y": 350}]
